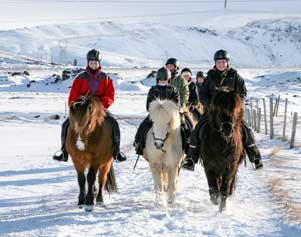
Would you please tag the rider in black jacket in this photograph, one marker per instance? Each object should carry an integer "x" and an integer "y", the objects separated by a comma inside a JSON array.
[
  {"x": 222, "y": 76},
  {"x": 162, "y": 90}
]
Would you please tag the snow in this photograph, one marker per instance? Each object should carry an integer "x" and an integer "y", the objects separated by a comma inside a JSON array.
[{"x": 39, "y": 195}]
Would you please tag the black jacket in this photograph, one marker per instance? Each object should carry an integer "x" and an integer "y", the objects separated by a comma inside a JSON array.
[
  {"x": 216, "y": 79},
  {"x": 162, "y": 93},
  {"x": 193, "y": 97}
]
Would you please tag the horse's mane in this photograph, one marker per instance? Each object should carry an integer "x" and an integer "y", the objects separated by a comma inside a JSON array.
[
  {"x": 164, "y": 111},
  {"x": 86, "y": 114},
  {"x": 228, "y": 102}
]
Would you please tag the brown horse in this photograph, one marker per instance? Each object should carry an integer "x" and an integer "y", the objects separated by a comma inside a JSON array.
[
  {"x": 90, "y": 145},
  {"x": 221, "y": 144}
]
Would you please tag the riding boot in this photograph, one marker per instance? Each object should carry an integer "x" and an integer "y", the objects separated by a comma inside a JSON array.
[
  {"x": 119, "y": 156},
  {"x": 251, "y": 148},
  {"x": 140, "y": 136},
  {"x": 63, "y": 156},
  {"x": 189, "y": 164}
]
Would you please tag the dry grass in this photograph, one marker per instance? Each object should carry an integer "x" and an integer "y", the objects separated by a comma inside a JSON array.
[{"x": 281, "y": 196}]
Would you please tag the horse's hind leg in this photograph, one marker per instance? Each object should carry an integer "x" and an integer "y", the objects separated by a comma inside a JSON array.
[
  {"x": 102, "y": 179},
  {"x": 91, "y": 186},
  {"x": 81, "y": 178}
]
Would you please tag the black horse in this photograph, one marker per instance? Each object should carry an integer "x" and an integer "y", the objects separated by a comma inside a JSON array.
[{"x": 221, "y": 147}]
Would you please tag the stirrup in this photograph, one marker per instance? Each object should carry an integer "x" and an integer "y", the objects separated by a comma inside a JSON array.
[
  {"x": 190, "y": 167},
  {"x": 61, "y": 157}
]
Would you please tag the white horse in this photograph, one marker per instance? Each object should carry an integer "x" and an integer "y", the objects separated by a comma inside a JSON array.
[{"x": 163, "y": 149}]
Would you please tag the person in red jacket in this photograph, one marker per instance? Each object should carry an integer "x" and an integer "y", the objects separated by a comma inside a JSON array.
[{"x": 93, "y": 81}]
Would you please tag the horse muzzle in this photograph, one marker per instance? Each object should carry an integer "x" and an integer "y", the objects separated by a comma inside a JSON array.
[{"x": 159, "y": 145}]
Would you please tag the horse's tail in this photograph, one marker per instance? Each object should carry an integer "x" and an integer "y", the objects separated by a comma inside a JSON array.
[{"x": 111, "y": 184}]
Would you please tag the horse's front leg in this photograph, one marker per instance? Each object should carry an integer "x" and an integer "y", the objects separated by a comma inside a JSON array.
[
  {"x": 157, "y": 183},
  {"x": 213, "y": 187},
  {"x": 91, "y": 177},
  {"x": 171, "y": 187},
  {"x": 81, "y": 178},
  {"x": 225, "y": 191}
]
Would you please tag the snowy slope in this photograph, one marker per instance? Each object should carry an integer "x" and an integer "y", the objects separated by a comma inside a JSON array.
[{"x": 145, "y": 33}]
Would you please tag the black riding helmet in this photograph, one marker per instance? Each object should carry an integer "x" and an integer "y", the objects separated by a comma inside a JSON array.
[
  {"x": 174, "y": 62},
  {"x": 199, "y": 74},
  {"x": 94, "y": 55},
  {"x": 163, "y": 74},
  {"x": 221, "y": 54}
]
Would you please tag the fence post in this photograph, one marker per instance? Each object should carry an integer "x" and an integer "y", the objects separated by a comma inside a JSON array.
[
  {"x": 294, "y": 130},
  {"x": 277, "y": 105},
  {"x": 249, "y": 115},
  {"x": 254, "y": 120},
  {"x": 259, "y": 118},
  {"x": 251, "y": 112},
  {"x": 265, "y": 117},
  {"x": 284, "y": 123},
  {"x": 271, "y": 119}
]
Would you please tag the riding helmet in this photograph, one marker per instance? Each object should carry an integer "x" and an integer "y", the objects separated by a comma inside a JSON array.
[
  {"x": 93, "y": 55},
  {"x": 163, "y": 74},
  {"x": 221, "y": 54},
  {"x": 174, "y": 62}
]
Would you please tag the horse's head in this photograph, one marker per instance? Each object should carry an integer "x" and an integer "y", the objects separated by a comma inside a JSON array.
[
  {"x": 166, "y": 119},
  {"x": 86, "y": 113},
  {"x": 225, "y": 111}
]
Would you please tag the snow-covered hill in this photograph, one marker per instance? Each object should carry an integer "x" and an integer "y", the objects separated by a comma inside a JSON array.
[
  {"x": 258, "y": 43},
  {"x": 145, "y": 33}
]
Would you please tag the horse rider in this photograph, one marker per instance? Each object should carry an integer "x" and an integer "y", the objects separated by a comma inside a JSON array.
[
  {"x": 163, "y": 90},
  {"x": 222, "y": 75},
  {"x": 193, "y": 99},
  {"x": 182, "y": 86},
  {"x": 199, "y": 78},
  {"x": 93, "y": 81}
]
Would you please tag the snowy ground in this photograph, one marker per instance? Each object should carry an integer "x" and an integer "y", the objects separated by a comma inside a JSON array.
[{"x": 38, "y": 195}]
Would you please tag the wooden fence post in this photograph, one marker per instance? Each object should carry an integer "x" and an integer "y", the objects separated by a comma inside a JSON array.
[
  {"x": 254, "y": 120},
  {"x": 251, "y": 112},
  {"x": 271, "y": 119},
  {"x": 265, "y": 117},
  {"x": 259, "y": 118},
  {"x": 294, "y": 130},
  {"x": 278, "y": 105},
  {"x": 284, "y": 122}
]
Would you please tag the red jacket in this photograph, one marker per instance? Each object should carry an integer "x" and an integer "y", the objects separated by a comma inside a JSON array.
[{"x": 99, "y": 84}]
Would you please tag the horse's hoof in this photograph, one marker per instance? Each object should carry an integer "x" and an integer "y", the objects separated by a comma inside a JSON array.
[
  {"x": 171, "y": 199},
  {"x": 81, "y": 206},
  {"x": 222, "y": 208},
  {"x": 89, "y": 208},
  {"x": 214, "y": 200},
  {"x": 100, "y": 204}
]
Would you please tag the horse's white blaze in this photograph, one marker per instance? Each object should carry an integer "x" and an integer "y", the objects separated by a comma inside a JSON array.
[{"x": 164, "y": 163}]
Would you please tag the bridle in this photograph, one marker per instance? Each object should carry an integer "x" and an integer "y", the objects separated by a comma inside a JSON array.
[{"x": 161, "y": 140}]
